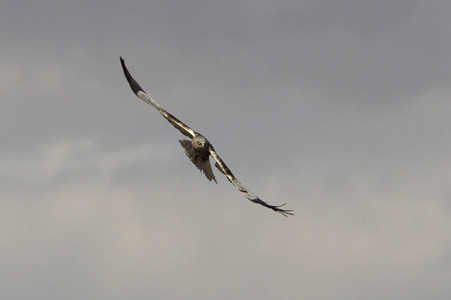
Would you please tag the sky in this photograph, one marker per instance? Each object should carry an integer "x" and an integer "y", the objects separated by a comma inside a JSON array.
[{"x": 339, "y": 108}]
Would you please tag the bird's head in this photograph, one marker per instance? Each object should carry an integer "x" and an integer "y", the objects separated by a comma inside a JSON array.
[{"x": 199, "y": 142}]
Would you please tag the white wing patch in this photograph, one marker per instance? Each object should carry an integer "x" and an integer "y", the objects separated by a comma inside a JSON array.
[
  {"x": 203, "y": 163},
  {"x": 146, "y": 98},
  {"x": 248, "y": 194}
]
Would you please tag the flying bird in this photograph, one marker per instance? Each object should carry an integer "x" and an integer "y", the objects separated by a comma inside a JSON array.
[{"x": 199, "y": 149}]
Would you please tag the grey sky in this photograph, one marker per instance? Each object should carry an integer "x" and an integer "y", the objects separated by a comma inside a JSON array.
[{"x": 340, "y": 108}]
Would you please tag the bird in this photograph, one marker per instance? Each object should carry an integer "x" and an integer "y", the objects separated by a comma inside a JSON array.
[{"x": 199, "y": 149}]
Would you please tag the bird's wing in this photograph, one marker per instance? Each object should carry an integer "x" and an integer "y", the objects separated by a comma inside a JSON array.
[
  {"x": 226, "y": 171},
  {"x": 184, "y": 129}
]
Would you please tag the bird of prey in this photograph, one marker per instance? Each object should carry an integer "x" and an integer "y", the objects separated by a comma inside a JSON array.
[{"x": 199, "y": 148}]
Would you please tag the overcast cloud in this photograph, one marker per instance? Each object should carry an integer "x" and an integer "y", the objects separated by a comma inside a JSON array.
[{"x": 339, "y": 108}]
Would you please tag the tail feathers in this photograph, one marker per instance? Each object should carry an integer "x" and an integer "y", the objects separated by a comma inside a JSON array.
[
  {"x": 205, "y": 167},
  {"x": 200, "y": 161}
]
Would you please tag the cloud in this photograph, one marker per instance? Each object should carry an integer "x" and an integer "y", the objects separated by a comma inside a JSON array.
[{"x": 340, "y": 109}]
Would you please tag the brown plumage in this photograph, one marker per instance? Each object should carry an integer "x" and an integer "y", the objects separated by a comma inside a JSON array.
[
  {"x": 201, "y": 159},
  {"x": 199, "y": 148}
]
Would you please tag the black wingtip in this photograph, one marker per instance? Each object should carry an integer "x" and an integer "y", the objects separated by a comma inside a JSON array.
[
  {"x": 124, "y": 68},
  {"x": 276, "y": 208},
  {"x": 284, "y": 212},
  {"x": 133, "y": 84}
]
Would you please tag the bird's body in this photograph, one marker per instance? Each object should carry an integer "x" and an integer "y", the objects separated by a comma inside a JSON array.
[{"x": 199, "y": 149}]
